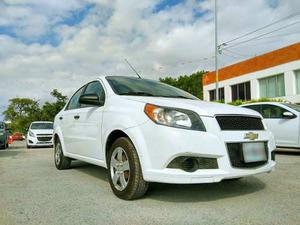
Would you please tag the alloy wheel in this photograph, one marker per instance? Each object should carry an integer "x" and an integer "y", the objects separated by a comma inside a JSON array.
[
  {"x": 119, "y": 169},
  {"x": 57, "y": 153}
]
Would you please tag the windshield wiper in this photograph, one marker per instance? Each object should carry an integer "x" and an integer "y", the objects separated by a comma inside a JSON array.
[
  {"x": 137, "y": 93},
  {"x": 174, "y": 96}
]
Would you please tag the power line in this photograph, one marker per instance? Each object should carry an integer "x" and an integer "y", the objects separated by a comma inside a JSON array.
[
  {"x": 279, "y": 35},
  {"x": 261, "y": 35},
  {"x": 239, "y": 54},
  {"x": 263, "y": 27}
]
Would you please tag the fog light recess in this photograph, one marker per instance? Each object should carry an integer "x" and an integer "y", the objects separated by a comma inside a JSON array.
[
  {"x": 273, "y": 155},
  {"x": 191, "y": 164}
]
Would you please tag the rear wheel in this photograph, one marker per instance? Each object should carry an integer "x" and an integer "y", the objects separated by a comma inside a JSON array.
[
  {"x": 125, "y": 173},
  {"x": 61, "y": 162}
]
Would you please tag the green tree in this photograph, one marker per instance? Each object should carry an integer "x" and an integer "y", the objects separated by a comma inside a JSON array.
[
  {"x": 49, "y": 110},
  {"x": 22, "y": 111},
  {"x": 190, "y": 83}
]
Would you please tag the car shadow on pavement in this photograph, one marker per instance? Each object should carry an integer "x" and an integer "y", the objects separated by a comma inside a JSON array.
[
  {"x": 92, "y": 170},
  {"x": 185, "y": 192},
  {"x": 204, "y": 192}
]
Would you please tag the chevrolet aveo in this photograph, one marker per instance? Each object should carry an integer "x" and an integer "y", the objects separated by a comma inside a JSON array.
[{"x": 145, "y": 131}]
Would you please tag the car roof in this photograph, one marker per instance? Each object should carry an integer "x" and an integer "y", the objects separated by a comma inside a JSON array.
[{"x": 263, "y": 103}]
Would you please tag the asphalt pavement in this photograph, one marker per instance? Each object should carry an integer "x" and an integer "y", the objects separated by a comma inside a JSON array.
[{"x": 33, "y": 191}]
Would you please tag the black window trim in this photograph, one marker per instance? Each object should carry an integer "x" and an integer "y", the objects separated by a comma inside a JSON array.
[
  {"x": 244, "y": 89},
  {"x": 214, "y": 91},
  {"x": 84, "y": 88}
]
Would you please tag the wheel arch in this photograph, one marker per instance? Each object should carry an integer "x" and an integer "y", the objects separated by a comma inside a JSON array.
[{"x": 112, "y": 137}]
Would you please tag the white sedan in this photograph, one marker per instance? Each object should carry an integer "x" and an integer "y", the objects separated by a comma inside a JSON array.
[
  {"x": 282, "y": 119},
  {"x": 145, "y": 131}
]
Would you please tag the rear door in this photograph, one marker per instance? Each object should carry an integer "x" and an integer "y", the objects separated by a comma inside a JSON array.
[
  {"x": 89, "y": 124},
  {"x": 68, "y": 122}
]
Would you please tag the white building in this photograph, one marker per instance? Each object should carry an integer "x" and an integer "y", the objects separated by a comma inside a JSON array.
[{"x": 275, "y": 74}]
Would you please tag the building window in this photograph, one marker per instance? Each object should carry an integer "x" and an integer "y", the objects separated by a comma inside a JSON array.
[
  {"x": 272, "y": 87},
  {"x": 297, "y": 74},
  {"x": 241, "y": 91},
  {"x": 212, "y": 95}
]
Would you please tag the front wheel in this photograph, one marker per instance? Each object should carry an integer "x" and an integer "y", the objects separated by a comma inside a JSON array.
[
  {"x": 125, "y": 173},
  {"x": 61, "y": 162}
]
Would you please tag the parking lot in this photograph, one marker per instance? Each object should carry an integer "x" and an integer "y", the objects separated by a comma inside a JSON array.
[{"x": 32, "y": 191}]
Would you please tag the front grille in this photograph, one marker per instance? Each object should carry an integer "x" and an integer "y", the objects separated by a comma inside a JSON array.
[
  {"x": 240, "y": 123},
  {"x": 44, "y": 138},
  {"x": 235, "y": 151},
  {"x": 44, "y": 135}
]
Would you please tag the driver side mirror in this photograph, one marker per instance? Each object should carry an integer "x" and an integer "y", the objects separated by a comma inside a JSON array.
[
  {"x": 288, "y": 115},
  {"x": 91, "y": 99}
]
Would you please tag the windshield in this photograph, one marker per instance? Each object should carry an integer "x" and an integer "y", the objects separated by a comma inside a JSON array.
[
  {"x": 293, "y": 106},
  {"x": 144, "y": 87},
  {"x": 42, "y": 126}
]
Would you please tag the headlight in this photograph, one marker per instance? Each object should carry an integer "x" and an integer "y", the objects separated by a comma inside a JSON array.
[
  {"x": 173, "y": 117},
  {"x": 31, "y": 134}
]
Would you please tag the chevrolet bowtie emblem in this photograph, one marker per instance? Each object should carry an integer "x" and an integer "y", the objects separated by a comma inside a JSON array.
[{"x": 251, "y": 136}]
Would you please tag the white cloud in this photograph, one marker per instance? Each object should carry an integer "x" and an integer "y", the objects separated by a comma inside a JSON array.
[{"x": 170, "y": 42}]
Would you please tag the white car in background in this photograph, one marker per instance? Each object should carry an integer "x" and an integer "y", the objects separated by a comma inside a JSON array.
[
  {"x": 145, "y": 131},
  {"x": 40, "y": 134},
  {"x": 283, "y": 119}
]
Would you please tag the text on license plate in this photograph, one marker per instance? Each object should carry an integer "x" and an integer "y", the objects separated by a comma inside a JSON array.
[{"x": 254, "y": 152}]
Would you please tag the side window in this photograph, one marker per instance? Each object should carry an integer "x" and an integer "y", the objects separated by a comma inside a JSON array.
[
  {"x": 74, "y": 101},
  {"x": 272, "y": 111},
  {"x": 256, "y": 108},
  {"x": 95, "y": 88}
]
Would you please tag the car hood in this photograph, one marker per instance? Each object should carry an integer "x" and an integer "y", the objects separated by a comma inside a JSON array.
[
  {"x": 43, "y": 131},
  {"x": 201, "y": 107}
]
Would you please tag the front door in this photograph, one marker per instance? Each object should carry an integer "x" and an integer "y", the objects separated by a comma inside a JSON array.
[{"x": 285, "y": 130}]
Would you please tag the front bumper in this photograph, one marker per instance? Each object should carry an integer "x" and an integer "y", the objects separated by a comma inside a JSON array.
[
  {"x": 35, "y": 142},
  {"x": 158, "y": 145}
]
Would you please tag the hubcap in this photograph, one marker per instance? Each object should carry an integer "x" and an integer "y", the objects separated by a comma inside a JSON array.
[
  {"x": 57, "y": 153},
  {"x": 119, "y": 168}
]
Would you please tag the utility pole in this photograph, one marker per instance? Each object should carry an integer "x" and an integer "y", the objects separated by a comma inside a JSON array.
[{"x": 216, "y": 52}]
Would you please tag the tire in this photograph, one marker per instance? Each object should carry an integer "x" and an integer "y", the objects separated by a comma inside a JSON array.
[
  {"x": 61, "y": 162},
  {"x": 28, "y": 146},
  {"x": 126, "y": 179}
]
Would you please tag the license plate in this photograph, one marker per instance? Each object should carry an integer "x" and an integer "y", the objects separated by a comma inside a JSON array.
[{"x": 254, "y": 152}]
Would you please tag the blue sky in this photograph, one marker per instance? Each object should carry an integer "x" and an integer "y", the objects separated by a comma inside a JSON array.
[{"x": 49, "y": 44}]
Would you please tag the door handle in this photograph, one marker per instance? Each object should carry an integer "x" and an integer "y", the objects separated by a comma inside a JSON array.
[
  {"x": 60, "y": 117},
  {"x": 76, "y": 117}
]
